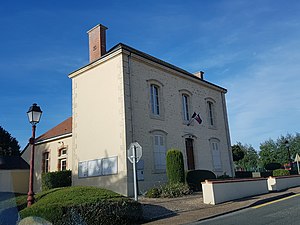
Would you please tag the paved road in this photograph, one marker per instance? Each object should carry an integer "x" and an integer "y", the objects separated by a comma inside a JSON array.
[
  {"x": 284, "y": 211},
  {"x": 8, "y": 212}
]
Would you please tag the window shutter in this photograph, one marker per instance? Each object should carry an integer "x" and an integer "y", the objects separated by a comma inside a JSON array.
[{"x": 216, "y": 156}]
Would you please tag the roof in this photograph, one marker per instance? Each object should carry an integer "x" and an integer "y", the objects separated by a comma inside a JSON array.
[
  {"x": 154, "y": 59},
  {"x": 13, "y": 163},
  {"x": 64, "y": 127}
]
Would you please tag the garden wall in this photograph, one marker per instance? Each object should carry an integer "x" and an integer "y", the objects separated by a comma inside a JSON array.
[
  {"x": 215, "y": 192},
  {"x": 283, "y": 182},
  {"x": 14, "y": 181}
]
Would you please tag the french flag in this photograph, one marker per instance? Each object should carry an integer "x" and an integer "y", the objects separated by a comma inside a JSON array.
[{"x": 196, "y": 117}]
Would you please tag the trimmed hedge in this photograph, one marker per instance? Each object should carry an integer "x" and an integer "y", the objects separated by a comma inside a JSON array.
[
  {"x": 56, "y": 179},
  {"x": 280, "y": 172},
  {"x": 175, "y": 166},
  {"x": 195, "y": 177},
  {"x": 84, "y": 205}
]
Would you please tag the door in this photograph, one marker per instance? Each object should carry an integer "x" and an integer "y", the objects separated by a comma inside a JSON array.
[{"x": 190, "y": 153}]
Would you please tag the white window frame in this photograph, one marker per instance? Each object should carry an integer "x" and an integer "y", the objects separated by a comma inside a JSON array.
[
  {"x": 216, "y": 154},
  {"x": 156, "y": 107},
  {"x": 63, "y": 160},
  {"x": 186, "y": 107},
  {"x": 154, "y": 98},
  {"x": 211, "y": 113},
  {"x": 46, "y": 162},
  {"x": 159, "y": 143}
]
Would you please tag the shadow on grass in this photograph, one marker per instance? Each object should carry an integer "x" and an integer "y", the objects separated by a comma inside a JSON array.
[{"x": 154, "y": 212}]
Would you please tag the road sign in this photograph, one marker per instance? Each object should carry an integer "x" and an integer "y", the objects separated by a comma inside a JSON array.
[
  {"x": 138, "y": 152},
  {"x": 134, "y": 153}
]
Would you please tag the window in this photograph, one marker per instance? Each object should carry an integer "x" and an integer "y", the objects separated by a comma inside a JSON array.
[
  {"x": 62, "y": 158},
  {"x": 185, "y": 107},
  {"x": 45, "y": 163},
  {"x": 211, "y": 113},
  {"x": 63, "y": 164},
  {"x": 216, "y": 155},
  {"x": 62, "y": 152},
  {"x": 159, "y": 153},
  {"x": 154, "y": 92}
]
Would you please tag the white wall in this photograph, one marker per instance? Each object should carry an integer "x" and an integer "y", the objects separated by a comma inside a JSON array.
[
  {"x": 282, "y": 183},
  {"x": 215, "y": 192},
  {"x": 14, "y": 181},
  {"x": 99, "y": 120}
]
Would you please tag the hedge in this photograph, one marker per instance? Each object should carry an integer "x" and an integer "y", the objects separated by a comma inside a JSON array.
[
  {"x": 84, "y": 205},
  {"x": 280, "y": 172},
  {"x": 195, "y": 177},
  {"x": 175, "y": 166},
  {"x": 56, "y": 179}
]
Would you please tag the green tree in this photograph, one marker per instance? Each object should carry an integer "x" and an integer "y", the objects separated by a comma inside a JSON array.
[
  {"x": 8, "y": 144},
  {"x": 175, "y": 166},
  {"x": 276, "y": 151},
  {"x": 237, "y": 153},
  {"x": 250, "y": 160}
]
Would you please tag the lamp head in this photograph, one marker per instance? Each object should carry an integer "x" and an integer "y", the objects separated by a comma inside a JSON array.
[{"x": 34, "y": 114}]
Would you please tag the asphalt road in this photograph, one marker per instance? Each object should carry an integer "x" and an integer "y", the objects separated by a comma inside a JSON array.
[
  {"x": 284, "y": 211},
  {"x": 8, "y": 211}
]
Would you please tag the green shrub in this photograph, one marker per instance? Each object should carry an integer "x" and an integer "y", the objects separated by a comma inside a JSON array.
[
  {"x": 153, "y": 193},
  {"x": 175, "y": 166},
  {"x": 173, "y": 190},
  {"x": 56, "y": 179},
  {"x": 195, "y": 177},
  {"x": 170, "y": 190},
  {"x": 84, "y": 205},
  {"x": 280, "y": 172}
]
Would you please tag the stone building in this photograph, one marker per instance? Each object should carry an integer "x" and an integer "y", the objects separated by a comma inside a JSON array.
[{"x": 124, "y": 95}]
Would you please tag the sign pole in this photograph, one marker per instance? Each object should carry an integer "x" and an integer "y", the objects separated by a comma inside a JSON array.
[
  {"x": 298, "y": 167},
  {"x": 134, "y": 174}
]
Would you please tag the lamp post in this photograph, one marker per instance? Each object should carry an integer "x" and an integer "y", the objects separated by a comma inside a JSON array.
[
  {"x": 287, "y": 145},
  {"x": 34, "y": 114}
]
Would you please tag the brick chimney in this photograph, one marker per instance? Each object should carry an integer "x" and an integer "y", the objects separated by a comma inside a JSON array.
[
  {"x": 97, "y": 42},
  {"x": 199, "y": 74}
]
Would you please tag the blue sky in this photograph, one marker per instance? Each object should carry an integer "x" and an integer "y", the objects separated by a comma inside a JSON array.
[{"x": 249, "y": 47}]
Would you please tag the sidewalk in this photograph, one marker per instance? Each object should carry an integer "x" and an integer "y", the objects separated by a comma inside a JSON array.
[{"x": 191, "y": 208}]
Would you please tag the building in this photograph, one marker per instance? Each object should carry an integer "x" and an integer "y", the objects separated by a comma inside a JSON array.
[
  {"x": 123, "y": 96},
  {"x": 52, "y": 152}
]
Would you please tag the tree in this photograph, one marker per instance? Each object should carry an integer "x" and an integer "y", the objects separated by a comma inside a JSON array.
[
  {"x": 275, "y": 151},
  {"x": 250, "y": 160},
  {"x": 237, "y": 153},
  {"x": 175, "y": 166},
  {"x": 8, "y": 144}
]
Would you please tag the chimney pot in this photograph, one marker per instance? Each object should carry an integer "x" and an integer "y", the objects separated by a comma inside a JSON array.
[{"x": 97, "y": 42}]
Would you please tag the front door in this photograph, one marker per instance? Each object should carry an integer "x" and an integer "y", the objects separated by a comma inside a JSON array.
[{"x": 190, "y": 153}]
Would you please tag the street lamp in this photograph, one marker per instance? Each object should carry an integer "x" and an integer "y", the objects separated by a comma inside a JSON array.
[
  {"x": 287, "y": 145},
  {"x": 34, "y": 114}
]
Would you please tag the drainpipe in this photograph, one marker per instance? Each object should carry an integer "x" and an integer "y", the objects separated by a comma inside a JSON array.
[
  {"x": 130, "y": 96},
  {"x": 227, "y": 133}
]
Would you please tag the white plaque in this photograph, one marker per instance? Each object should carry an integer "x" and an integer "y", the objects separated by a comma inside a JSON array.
[
  {"x": 110, "y": 165},
  {"x": 82, "y": 169}
]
